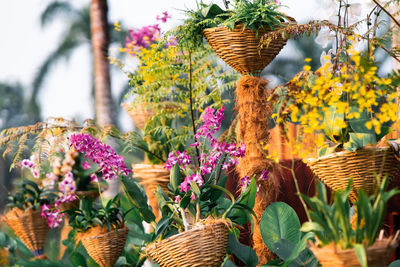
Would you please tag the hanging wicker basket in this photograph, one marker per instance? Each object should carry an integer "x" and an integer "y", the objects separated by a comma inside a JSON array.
[
  {"x": 106, "y": 248},
  {"x": 139, "y": 113},
  {"x": 30, "y": 227},
  {"x": 240, "y": 48},
  {"x": 204, "y": 245},
  {"x": 336, "y": 169},
  {"x": 378, "y": 254},
  {"x": 150, "y": 177}
]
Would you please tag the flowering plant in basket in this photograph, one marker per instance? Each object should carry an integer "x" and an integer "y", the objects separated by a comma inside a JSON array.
[
  {"x": 197, "y": 193},
  {"x": 85, "y": 164},
  {"x": 336, "y": 230}
]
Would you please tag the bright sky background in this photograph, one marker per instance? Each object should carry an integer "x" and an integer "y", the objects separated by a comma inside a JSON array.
[{"x": 24, "y": 46}]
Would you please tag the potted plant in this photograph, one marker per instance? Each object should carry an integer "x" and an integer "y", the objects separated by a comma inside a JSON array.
[
  {"x": 27, "y": 205},
  {"x": 234, "y": 32},
  {"x": 101, "y": 229},
  {"x": 197, "y": 217},
  {"x": 343, "y": 243},
  {"x": 353, "y": 108}
]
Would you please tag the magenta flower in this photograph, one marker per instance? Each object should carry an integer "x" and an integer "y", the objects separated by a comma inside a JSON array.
[
  {"x": 27, "y": 164},
  {"x": 182, "y": 159},
  {"x": 164, "y": 17},
  {"x": 193, "y": 196},
  {"x": 85, "y": 165},
  {"x": 177, "y": 199},
  {"x": 264, "y": 175},
  {"x": 184, "y": 186},
  {"x": 111, "y": 165},
  {"x": 94, "y": 178},
  {"x": 244, "y": 182},
  {"x": 53, "y": 217}
]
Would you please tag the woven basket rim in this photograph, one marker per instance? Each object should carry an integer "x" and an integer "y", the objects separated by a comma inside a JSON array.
[
  {"x": 240, "y": 26},
  {"x": 123, "y": 230},
  {"x": 387, "y": 243},
  {"x": 196, "y": 228},
  {"x": 346, "y": 153},
  {"x": 11, "y": 215}
]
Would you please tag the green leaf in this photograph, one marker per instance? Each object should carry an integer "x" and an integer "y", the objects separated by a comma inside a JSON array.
[
  {"x": 211, "y": 11},
  {"x": 244, "y": 253},
  {"x": 175, "y": 177},
  {"x": 395, "y": 264},
  {"x": 279, "y": 221},
  {"x": 311, "y": 227},
  {"x": 361, "y": 254},
  {"x": 359, "y": 140},
  {"x": 332, "y": 130},
  {"x": 78, "y": 259},
  {"x": 249, "y": 197}
]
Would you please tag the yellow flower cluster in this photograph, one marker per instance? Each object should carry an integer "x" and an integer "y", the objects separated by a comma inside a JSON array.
[{"x": 335, "y": 94}]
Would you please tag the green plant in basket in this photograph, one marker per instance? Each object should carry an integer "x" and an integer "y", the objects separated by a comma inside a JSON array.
[
  {"x": 332, "y": 224},
  {"x": 197, "y": 199},
  {"x": 252, "y": 14}
]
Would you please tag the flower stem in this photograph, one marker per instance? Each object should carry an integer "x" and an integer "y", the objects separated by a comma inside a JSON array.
[
  {"x": 185, "y": 221},
  {"x": 197, "y": 211}
]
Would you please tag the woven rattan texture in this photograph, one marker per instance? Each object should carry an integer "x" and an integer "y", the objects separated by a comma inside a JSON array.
[
  {"x": 239, "y": 48},
  {"x": 200, "y": 246},
  {"x": 106, "y": 248},
  {"x": 139, "y": 114},
  {"x": 378, "y": 255},
  {"x": 30, "y": 227},
  {"x": 336, "y": 169}
]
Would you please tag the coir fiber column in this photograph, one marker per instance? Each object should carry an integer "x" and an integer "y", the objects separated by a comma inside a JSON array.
[{"x": 254, "y": 111}]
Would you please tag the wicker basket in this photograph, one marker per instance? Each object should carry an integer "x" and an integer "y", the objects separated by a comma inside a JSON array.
[
  {"x": 139, "y": 114},
  {"x": 150, "y": 177},
  {"x": 240, "y": 48},
  {"x": 336, "y": 169},
  {"x": 378, "y": 254},
  {"x": 30, "y": 227},
  {"x": 204, "y": 245},
  {"x": 106, "y": 248}
]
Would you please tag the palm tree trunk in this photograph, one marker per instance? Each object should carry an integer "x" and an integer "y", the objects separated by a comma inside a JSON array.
[{"x": 104, "y": 106}]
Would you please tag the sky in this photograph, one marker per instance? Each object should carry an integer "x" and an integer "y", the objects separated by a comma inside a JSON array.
[{"x": 66, "y": 93}]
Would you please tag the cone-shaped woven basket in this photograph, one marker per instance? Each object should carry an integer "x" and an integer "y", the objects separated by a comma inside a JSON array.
[
  {"x": 139, "y": 114},
  {"x": 336, "y": 169},
  {"x": 378, "y": 255},
  {"x": 240, "y": 48},
  {"x": 150, "y": 177},
  {"x": 30, "y": 227},
  {"x": 106, "y": 248},
  {"x": 203, "y": 245}
]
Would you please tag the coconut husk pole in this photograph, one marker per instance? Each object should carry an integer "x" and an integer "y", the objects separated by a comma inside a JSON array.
[{"x": 253, "y": 111}]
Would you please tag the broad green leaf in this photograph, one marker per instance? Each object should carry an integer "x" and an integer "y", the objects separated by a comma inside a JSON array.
[
  {"x": 279, "y": 221},
  {"x": 244, "y": 253},
  {"x": 211, "y": 11},
  {"x": 361, "y": 254},
  {"x": 331, "y": 127},
  {"x": 175, "y": 177},
  {"x": 359, "y": 140},
  {"x": 78, "y": 259},
  {"x": 395, "y": 264},
  {"x": 249, "y": 197}
]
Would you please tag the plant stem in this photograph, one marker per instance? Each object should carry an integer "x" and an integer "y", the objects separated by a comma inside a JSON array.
[
  {"x": 220, "y": 169},
  {"x": 197, "y": 211},
  {"x": 149, "y": 152},
  {"x": 101, "y": 196},
  {"x": 185, "y": 221},
  {"x": 387, "y": 12},
  {"x": 191, "y": 105}
]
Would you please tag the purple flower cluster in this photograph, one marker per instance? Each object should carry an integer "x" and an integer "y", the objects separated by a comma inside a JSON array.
[
  {"x": 244, "y": 182},
  {"x": 194, "y": 178},
  {"x": 53, "y": 217},
  {"x": 211, "y": 124},
  {"x": 29, "y": 164},
  {"x": 111, "y": 165},
  {"x": 182, "y": 159},
  {"x": 67, "y": 188},
  {"x": 145, "y": 36}
]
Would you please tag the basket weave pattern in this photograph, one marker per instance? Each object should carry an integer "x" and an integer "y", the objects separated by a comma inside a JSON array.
[
  {"x": 150, "y": 177},
  {"x": 378, "y": 255},
  {"x": 336, "y": 169},
  {"x": 30, "y": 227},
  {"x": 239, "y": 48},
  {"x": 106, "y": 248},
  {"x": 139, "y": 114},
  {"x": 201, "y": 246}
]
